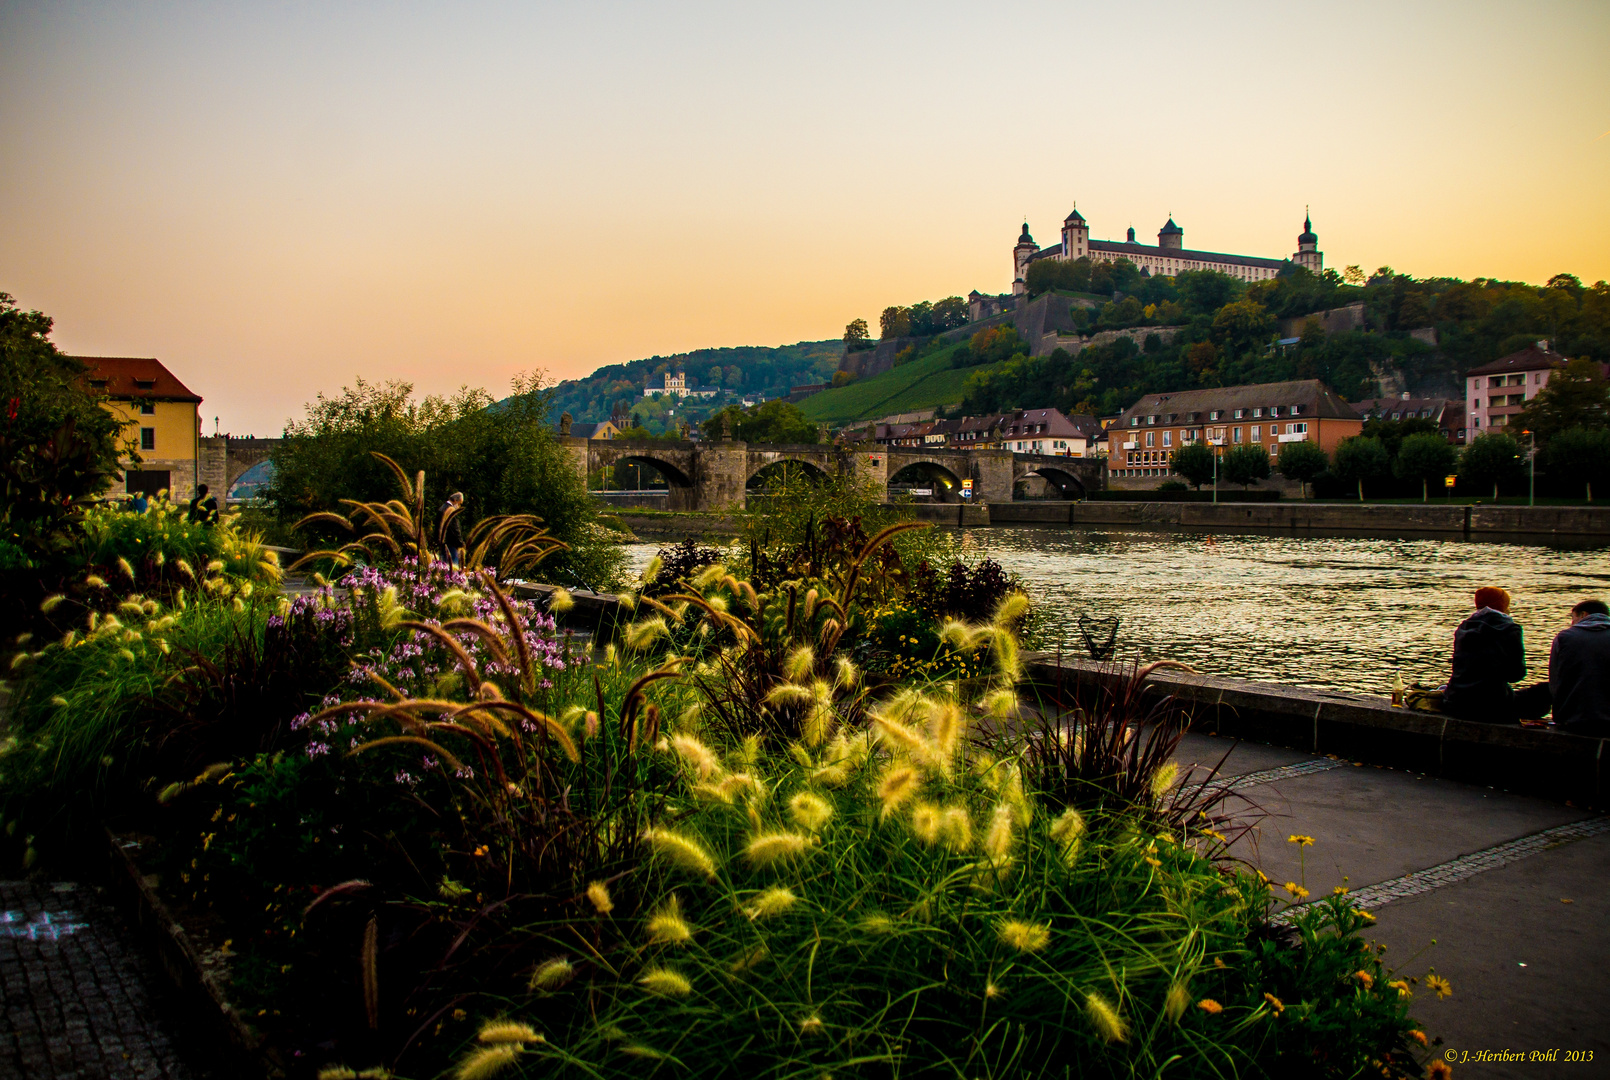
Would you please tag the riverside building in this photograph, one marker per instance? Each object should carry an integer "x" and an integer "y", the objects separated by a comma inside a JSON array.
[
  {"x": 161, "y": 417},
  {"x": 1497, "y": 391},
  {"x": 1266, "y": 414}
]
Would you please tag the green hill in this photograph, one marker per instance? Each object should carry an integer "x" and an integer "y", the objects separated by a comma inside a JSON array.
[{"x": 921, "y": 384}]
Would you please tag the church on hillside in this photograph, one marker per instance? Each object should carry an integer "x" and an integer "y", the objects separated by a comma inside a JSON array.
[{"x": 1169, "y": 257}]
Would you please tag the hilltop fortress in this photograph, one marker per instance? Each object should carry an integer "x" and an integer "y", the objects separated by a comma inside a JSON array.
[{"x": 1169, "y": 257}]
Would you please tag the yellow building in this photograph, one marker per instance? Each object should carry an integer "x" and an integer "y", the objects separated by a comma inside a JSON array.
[{"x": 161, "y": 419}]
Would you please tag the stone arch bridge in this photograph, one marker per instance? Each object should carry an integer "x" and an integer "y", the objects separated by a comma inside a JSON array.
[
  {"x": 222, "y": 459},
  {"x": 716, "y": 475}
]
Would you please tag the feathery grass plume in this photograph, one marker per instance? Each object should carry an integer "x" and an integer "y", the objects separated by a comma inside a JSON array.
[
  {"x": 680, "y": 851},
  {"x": 51, "y": 602},
  {"x": 1164, "y": 778},
  {"x": 899, "y": 738},
  {"x": 771, "y": 902},
  {"x": 749, "y": 960},
  {"x": 487, "y": 1062},
  {"x": 877, "y": 923},
  {"x": 819, "y": 721},
  {"x": 998, "y": 841},
  {"x": 123, "y": 565},
  {"x": 95, "y": 581},
  {"x": 698, "y": 756},
  {"x": 690, "y": 719},
  {"x": 801, "y": 755},
  {"x": 1105, "y": 1019},
  {"x": 956, "y": 828},
  {"x": 337, "y": 1072},
  {"x": 1001, "y": 704},
  {"x": 508, "y": 1031},
  {"x": 598, "y": 893},
  {"x": 1174, "y": 1005},
  {"x": 184, "y": 567},
  {"x": 810, "y": 812},
  {"x": 709, "y": 576},
  {"x": 589, "y": 725},
  {"x": 1010, "y": 609},
  {"x": 798, "y": 663},
  {"x": 846, "y": 675},
  {"x": 771, "y": 848},
  {"x": 961, "y": 636},
  {"x": 944, "y": 729},
  {"x": 728, "y": 787},
  {"x": 1008, "y": 665},
  {"x": 663, "y": 982},
  {"x": 925, "y": 819},
  {"x": 1067, "y": 830},
  {"x": 551, "y": 975},
  {"x": 667, "y": 926},
  {"x": 1025, "y": 937},
  {"x": 788, "y": 694},
  {"x": 643, "y": 633},
  {"x": 652, "y": 570},
  {"x": 896, "y": 787},
  {"x": 560, "y": 600}
]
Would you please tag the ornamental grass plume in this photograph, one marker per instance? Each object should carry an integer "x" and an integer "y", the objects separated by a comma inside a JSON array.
[
  {"x": 643, "y": 633},
  {"x": 667, "y": 926},
  {"x": 1105, "y": 1019},
  {"x": 1067, "y": 830},
  {"x": 925, "y": 820},
  {"x": 846, "y": 676},
  {"x": 1002, "y": 704},
  {"x": 1010, "y": 609},
  {"x": 771, "y": 902},
  {"x": 551, "y": 975},
  {"x": 509, "y": 1031},
  {"x": 998, "y": 841},
  {"x": 956, "y": 828},
  {"x": 896, "y": 787},
  {"x": 1025, "y": 937},
  {"x": 663, "y": 982},
  {"x": 598, "y": 893},
  {"x": 487, "y": 1062},
  {"x": 680, "y": 851},
  {"x": 771, "y": 848},
  {"x": 560, "y": 600},
  {"x": 798, "y": 663},
  {"x": 1179, "y": 996},
  {"x": 810, "y": 812},
  {"x": 698, "y": 756},
  {"x": 1164, "y": 778}
]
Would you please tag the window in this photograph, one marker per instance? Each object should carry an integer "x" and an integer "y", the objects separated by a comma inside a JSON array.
[
  {"x": 148, "y": 438},
  {"x": 1475, "y": 421},
  {"x": 1257, "y": 412},
  {"x": 1150, "y": 420},
  {"x": 1256, "y": 429},
  {"x": 1239, "y": 413},
  {"x": 1297, "y": 429},
  {"x": 1496, "y": 380},
  {"x": 1296, "y": 410},
  {"x": 1216, "y": 414},
  {"x": 146, "y": 384},
  {"x": 1236, "y": 435},
  {"x": 1475, "y": 403},
  {"x": 148, "y": 408},
  {"x": 1134, "y": 421},
  {"x": 1151, "y": 438},
  {"x": 1168, "y": 438},
  {"x": 1274, "y": 411}
]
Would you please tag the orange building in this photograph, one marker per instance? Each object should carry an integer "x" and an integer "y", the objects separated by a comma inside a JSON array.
[{"x": 1268, "y": 414}]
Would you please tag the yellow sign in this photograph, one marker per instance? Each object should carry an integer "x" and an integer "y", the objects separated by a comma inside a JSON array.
[{"x": 1449, "y": 480}]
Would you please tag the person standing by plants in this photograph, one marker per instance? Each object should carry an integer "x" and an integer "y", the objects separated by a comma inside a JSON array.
[{"x": 204, "y": 507}]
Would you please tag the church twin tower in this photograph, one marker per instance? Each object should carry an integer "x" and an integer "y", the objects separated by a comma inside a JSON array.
[{"x": 1168, "y": 257}]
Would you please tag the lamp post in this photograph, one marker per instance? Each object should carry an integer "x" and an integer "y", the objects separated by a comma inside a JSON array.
[{"x": 1531, "y": 466}]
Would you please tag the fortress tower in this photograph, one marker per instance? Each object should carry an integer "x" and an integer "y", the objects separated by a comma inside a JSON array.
[
  {"x": 1075, "y": 235},
  {"x": 1308, "y": 255},
  {"x": 1020, "y": 260},
  {"x": 1171, "y": 237}
]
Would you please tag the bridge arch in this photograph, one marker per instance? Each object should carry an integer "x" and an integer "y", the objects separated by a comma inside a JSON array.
[
  {"x": 945, "y": 484},
  {"x": 1067, "y": 484},
  {"x": 763, "y": 472}
]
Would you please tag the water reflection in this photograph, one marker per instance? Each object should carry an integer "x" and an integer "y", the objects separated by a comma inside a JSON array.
[{"x": 1335, "y": 613}]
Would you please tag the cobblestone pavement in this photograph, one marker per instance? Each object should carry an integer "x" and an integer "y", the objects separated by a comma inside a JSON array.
[{"x": 81, "y": 1002}]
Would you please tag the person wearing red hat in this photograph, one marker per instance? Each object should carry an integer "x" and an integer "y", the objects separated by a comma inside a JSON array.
[{"x": 1489, "y": 653}]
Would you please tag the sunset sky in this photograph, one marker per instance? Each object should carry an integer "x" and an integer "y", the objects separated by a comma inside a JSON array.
[{"x": 276, "y": 199}]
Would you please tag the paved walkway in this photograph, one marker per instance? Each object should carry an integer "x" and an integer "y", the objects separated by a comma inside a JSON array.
[
  {"x": 1514, "y": 891},
  {"x": 79, "y": 996}
]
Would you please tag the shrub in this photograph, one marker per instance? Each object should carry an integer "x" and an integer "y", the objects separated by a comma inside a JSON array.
[
  {"x": 1302, "y": 461},
  {"x": 1245, "y": 464}
]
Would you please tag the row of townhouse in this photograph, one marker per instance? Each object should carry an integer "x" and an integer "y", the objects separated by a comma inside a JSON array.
[{"x": 1025, "y": 431}]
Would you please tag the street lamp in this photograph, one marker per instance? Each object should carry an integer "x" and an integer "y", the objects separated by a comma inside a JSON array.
[{"x": 1531, "y": 466}]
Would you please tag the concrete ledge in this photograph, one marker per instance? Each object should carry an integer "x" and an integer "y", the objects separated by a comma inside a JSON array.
[
  {"x": 234, "y": 1043},
  {"x": 1385, "y": 519},
  {"x": 1536, "y": 761}
]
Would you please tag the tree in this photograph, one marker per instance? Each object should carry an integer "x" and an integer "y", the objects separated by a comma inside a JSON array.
[
  {"x": 1490, "y": 459},
  {"x": 1194, "y": 462},
  {"x": 1424, "y": 456},
  {"x": 774, "y": 422},
  {"x": 1577, "y": 395},
  {"x": 1242, "y": 326},
  {"x": 57, "y": 444},
  {"x": 713, "y": 376},
  {"x": 1354, "y": 275},
  {"x": 1361, "y": 458},
  {"x": 1580, "y": 456},
  {"x": 1302, "y": 461},
  {"x": 1245, "y": 464},
  {"x": 895, "y": 322},
  {"x": 856, "y": 336}
]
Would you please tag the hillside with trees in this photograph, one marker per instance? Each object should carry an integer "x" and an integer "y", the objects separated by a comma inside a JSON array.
[{"x": 747, "y": 369}]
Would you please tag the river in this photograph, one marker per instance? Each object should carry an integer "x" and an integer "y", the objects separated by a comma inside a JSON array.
[{"x": 1342, "y": 614}]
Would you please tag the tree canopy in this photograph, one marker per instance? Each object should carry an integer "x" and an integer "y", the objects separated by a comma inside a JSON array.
[
  {"x": 774, "y": 422},
  {"x": 1576, "y": 396}
]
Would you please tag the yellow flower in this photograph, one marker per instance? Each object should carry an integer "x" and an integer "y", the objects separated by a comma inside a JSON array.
[
  {"x": 1340, "y": 890},
  {"x": 1209, "y": 1006},
  {"x": 1365, "y": 979},
  {"x": 1366, "y": 916},
  {"x": 1438, "y": 985},
  {"x": 1025, "y": 936},
  {"x": 1438, "y": 1070},
  {"x": 1274, "y": 1003},
  {"x": 1296, "y": 890},
  {"x": 1402, "y": 987},
  {"x": 1305, "y": 841}
]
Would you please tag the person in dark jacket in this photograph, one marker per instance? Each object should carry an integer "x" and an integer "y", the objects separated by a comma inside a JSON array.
[
  {"x": 1579, "y": 671},
  {"x": 204, "y": 507},
  {"x": 453, "y": 528},
  {"x": 1489, "y": 653}
]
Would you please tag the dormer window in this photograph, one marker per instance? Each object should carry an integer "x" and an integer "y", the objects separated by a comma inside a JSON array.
[
  {"x": 1150, "y": 420},
  {"x": 1216, "y": 414},
  {"x": 145, "y": 384},
  {"x": 1275, "y": 411},
  {"x": 1256, "y": 413},
  {"x": 1296, "y": 410},
  {"x": 1239, "y": 413},
  {"x": 99, "y": 384}
]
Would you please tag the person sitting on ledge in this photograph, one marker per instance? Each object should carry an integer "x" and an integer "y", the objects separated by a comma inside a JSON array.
[
  {"x": 1489, "y": 653},
  {"x": 1579, "y": 671}
]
